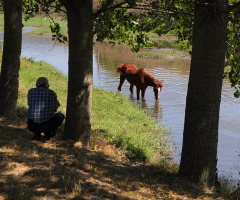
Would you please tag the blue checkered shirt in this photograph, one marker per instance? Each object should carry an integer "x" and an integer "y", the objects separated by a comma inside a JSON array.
[{"x": 42, "y": 104}]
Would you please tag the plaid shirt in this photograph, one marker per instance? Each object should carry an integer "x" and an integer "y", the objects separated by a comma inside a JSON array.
[{"x": 42, "y": 104}]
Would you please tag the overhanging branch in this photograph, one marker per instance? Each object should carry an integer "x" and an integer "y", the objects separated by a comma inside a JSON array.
[
  {"x": 233, "y": 7},
  {"x": 161, "y": 9}
]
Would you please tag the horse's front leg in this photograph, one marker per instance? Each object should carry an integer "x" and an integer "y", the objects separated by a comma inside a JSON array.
[
  {"x": 131, "y": 88},
  {"x": 122, "y": 79},
  {"x": 138, "y": 91}
]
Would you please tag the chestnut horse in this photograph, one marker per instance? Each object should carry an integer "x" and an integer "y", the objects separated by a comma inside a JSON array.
[{"x": 141, "y": 78}]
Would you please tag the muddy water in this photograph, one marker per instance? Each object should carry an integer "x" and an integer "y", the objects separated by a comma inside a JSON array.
[{"x": 169, "y": 109}]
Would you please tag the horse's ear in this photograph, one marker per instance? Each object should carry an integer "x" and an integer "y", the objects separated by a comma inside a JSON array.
[{"x": 120, "y": 66}]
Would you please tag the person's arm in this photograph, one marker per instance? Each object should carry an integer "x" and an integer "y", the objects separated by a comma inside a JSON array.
[{"x": 57, "y": 104}]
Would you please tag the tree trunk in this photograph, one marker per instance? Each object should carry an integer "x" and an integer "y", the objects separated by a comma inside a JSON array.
[
  {"x": 79, "y": 102},
  {"x": 9, "y": 79},
  {"x": 200, "y": 137}
]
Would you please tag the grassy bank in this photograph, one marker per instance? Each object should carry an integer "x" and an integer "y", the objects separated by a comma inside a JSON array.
[
  {"x": 164, "y": 54},
  {"x": 42, "y": 22},
  {"x": 113, "y": 115}
]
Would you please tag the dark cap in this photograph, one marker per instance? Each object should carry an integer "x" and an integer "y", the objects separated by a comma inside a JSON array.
[{"x": 42, "y": 81}]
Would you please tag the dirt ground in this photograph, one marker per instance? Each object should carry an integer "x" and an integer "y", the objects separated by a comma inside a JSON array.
[{"x": 59, "y": 169}]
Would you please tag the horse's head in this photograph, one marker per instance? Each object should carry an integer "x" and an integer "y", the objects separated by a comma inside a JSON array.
[
  {"x": 119, "y": 69},
  {"x": 157, "y": 88},
  {"x": 122, "y": 69}
]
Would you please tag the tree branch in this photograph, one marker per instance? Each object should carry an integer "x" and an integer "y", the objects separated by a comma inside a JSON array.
[
  {"x": 234, "y": 6},
  {"x": 145, "y": 7},
  {"x": 106, "y": 8}
]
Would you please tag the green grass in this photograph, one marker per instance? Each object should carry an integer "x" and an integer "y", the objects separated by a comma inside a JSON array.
[
  {"x": 43, "y": 23},
  {"x": 162, "y": 54},
  {"x": 129, "y": 126},
  {"x": 114, "y": 116}
]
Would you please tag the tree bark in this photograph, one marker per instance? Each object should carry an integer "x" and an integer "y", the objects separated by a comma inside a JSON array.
[
  {"x": 9, "y": 79},
  {"x": 80, "y": 70},
  {"x": 200, "y": 136}
]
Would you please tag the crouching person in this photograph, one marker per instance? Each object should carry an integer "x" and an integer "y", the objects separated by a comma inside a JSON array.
[{"x": 43, "y": 104}]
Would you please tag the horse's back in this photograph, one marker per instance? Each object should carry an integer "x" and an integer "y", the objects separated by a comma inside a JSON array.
[
  {"x": 130, "y": 66},
  {"x": 147, "y": 78},
  {"x": 127, "y": 68}
]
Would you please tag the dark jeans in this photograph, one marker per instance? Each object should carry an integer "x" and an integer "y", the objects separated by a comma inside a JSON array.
[{"x": 49, "y": 127}]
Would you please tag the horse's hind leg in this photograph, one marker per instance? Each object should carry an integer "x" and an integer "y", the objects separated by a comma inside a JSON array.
[
  {"x": 131, "y": 88},
  {"x": 143, "y": 91}
]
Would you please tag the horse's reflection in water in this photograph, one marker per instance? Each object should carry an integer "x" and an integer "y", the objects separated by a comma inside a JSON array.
[{"x": 156, "y": 111}]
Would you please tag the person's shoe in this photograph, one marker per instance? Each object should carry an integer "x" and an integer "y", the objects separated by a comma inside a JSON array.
[
  {"x": 36, "y": 137},
  {"x": 47, "y": 136},
  {"x": 53, "y": 133}
]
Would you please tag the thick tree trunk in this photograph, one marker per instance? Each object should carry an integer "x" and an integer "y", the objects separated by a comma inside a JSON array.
[
  {"x": 79, "y": 102},
  {"x": 200, "y": 137},
  {"x": 9, "y": 79}
]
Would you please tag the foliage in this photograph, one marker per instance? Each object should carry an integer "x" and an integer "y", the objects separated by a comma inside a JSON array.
[
  {"x": 29, "y": 7},
  {"x": 121, "y": 24},
  {"x": 32, "y": 6},
  {"x": 233, "y": 52},
  {"x": 57, "y": 32}
]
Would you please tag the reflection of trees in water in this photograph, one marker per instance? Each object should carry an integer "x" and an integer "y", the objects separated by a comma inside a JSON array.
[{"x": 111, "y": 56}]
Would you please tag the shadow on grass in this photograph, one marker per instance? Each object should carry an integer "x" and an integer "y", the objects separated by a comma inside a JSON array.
[{"x": 59, "y": 169}]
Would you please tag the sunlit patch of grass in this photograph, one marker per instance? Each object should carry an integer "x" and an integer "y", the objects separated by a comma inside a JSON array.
[
  {"x": 129, "y": 127},
  {"x": 43, "y": 23},
  {"x": 169, "y": 54}
]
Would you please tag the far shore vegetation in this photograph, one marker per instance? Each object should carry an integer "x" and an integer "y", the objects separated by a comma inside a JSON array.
[{"x": 169, "y": 47}]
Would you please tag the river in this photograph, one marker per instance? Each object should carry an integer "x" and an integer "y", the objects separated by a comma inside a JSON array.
[{"x": 169, "y": 109}]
